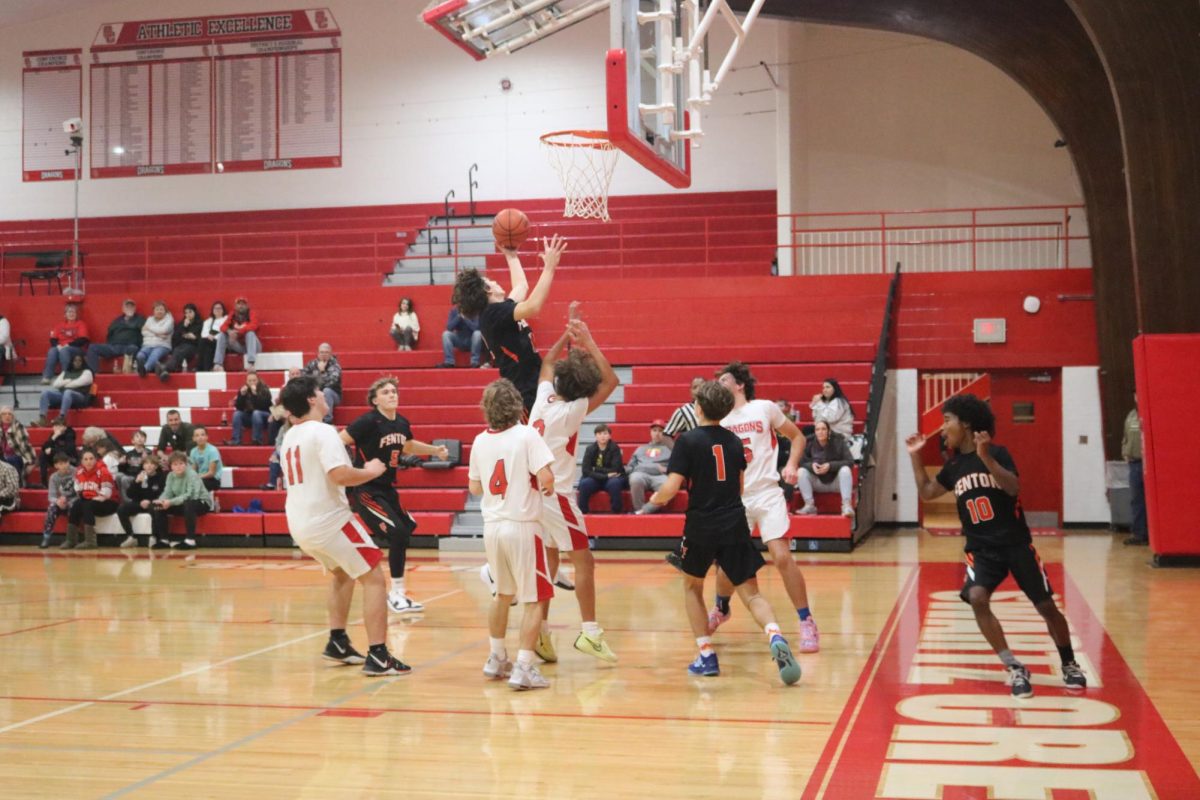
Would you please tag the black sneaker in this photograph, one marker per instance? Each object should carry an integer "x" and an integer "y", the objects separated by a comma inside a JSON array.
[
  {"x": 186, "y": 545},
  {"x": 388, "y": 665},
  {"x": 1018, "y": 679},
  {"x": 1073, "y": 676},
  {"x": 1137, "y": 541},
  {"x": 675, "y": 560},
  {"x": 141, "y": 368},
  {"x": 161, "y": 544},
  {"x": 342, "y": 652}
]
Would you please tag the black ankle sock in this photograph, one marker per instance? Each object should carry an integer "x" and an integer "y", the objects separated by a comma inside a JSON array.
[
  {"x": 723, "y": 604},
  {"x": 379, "y": 650},
  {"x": 339, "y": 634},
  {"x": 1066, "y": 653}
]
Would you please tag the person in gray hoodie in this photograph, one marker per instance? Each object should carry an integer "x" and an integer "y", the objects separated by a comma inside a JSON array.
[
  {"x": 648, "y": 468},
  {"x": 156, "y": 338}
]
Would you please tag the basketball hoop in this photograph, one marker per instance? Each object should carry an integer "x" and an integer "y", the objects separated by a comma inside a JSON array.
[{"x": 584, "y": 161}]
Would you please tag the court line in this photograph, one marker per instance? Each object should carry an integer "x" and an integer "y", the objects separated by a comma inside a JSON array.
[
  {"x": 186, "y": 673},
  {"x": 875, "y": 662},
  {"x": 38, "y": 627}
]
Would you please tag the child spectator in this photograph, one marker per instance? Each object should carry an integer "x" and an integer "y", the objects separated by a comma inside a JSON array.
[
  {"x": 252, "y": 409},
  {"x": 62, "y": 440},
  {"x": 185, "y": 344},
  {"x": 142, "y": 492},
  {"x": 113, "y": 457},
  {"x": 60, "y": 495},
  {"x": 205, "y": 459},
  {"x": 183, "y": 495},
  {"x": 68, "y": 339},
  {"x": 602, "y": 470},
  {"x": 406, "y": 328},
  {"x": 156, "y": 338},
  {"x": 95, "y": 490},
  {"x": 71, "y": 389},
  {"x": 135, "y": 455},
  {"x": 210, "y": 331}
]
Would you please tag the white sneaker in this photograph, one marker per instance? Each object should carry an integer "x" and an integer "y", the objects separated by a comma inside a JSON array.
[
  {"x": 497, "y": 667},
  {"x": 403, "y": 605},
  {"x": 808, "y": 510},
  {"x": 130, "y": 541},
  {"x": 153, "y": 540},
  {"x": 847, "y": 510},
  {"x": 523, "y": 678}
]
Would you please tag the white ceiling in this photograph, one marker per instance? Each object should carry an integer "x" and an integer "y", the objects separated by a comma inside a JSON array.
[{"x": 18, "y": 12}]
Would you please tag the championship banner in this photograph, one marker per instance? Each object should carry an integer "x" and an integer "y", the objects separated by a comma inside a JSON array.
[
  {"x": 931, "y": 716},
  {"x": 51, "y": 94},
  {"x": 230, "y": 93}
]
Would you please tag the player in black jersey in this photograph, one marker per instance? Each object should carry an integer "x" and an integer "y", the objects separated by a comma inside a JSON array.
[
  {"x": 711, "y": 460},
  {"x": 383, "y": 434},
  {"x": 984, "y": 480},
  {"x": 503, "y": 318}
]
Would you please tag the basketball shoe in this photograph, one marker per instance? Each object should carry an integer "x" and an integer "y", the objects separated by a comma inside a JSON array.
[
  {"x": 545, "y": 648},
  {"x": 377, "y": 667},
  {"x": 595, "y": 646},
  {"x": 1018, "y": 679},
  {"x": 1073, "y": 676},
  {"x": 810, "y": 637},
  {"x": 527, "y": 677},
  {"x": 342, "y": 652},
  {"x": 402, "y": 604},
  {"x": 497, "y": 667},
  {"x": 705, "y": 666},
  {"x": 789, "y": 670}
]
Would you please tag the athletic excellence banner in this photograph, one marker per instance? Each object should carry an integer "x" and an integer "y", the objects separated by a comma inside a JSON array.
[
  {"x": 229, "y": 93},
  {"x": 51, "y": 94}
]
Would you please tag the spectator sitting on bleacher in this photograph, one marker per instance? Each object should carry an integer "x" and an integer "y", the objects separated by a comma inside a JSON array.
[
  {"x": 239, "y": 334},
  {"x": 10, "y": 488},
  {"x": 71, "y": 389},
  {"x": 406, "y": 328},
  {"x": 139, "y": 498},
  {"x": 252, "y": 409},
  {"x": 93, "y": 434},
  {"x": 135, "y": 455},
  {"x": 185, "y": 494},
  {"x": 185, "y": 344},
  {"x": 67, "y": 339},
  {"x": 6, "y": 346},
  {"x": 461, "y": 334},
  {"x": 205, "y": 459},
  {"x": 789, "y": 411},
  {"x": 210, "y": 332},
  {"x": 274, "y": 466},
  {"x": 647, "y": 468},
  {"x": 61, "y": 440},
  {"x": 60, "y": 495},
  {"x": 157, "y": 331},
  {"x": 95, "y": 490},
  {"x": 831, "y": 406},
  {"x": 684, "y": 418},
  {"x": 328, "y": 374},
  {"x": 15, "y": 447},
  {"x": 826, "y": 459},
  {"x": 176, "y": 435},
  {"x": 602, "y": 470},
  {"x": 113, "y": 458},
  {"x": 123, "y": 340}
]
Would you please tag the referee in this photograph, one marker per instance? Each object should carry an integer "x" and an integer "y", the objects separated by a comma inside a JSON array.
[{"x": 684, "y": 418}]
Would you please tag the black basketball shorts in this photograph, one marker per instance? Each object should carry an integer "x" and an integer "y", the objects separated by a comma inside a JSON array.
[
  {"x": 380, "y": 511},
  {"x": 988, "y": 567},
  {"x": 731, "y": 547}
]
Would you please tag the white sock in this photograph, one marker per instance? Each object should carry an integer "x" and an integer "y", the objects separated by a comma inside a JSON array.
[
  {"x": 498, "y": 648},
  {"x": 398, "y": 586},
  {"x": 591, "y": 628},
  {"x": 772, "y": 629},
  {"x": 525, "y": 658},
  {"x": 705, "y": 644}
]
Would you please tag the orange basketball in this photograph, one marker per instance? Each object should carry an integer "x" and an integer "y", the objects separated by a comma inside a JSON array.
[{"x": 511, "y": 228}]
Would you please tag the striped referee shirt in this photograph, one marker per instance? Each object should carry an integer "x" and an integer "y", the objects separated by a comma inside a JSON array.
[{"x": 682, "y": 421}]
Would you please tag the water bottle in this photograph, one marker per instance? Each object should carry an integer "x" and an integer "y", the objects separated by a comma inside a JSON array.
[{"x": 108, "y": 403}]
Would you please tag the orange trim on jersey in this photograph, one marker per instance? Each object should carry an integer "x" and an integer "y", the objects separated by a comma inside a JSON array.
[{"x": 509, "y": 353}]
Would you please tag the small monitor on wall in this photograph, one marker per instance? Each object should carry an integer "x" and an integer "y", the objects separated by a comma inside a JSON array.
[{"x": 990, "y": 330}]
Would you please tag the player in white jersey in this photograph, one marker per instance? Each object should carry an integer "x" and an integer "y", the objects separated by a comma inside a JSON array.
[
  {"x": 568, "y": 390},
  {"x": 316, "y": 470},
  {"x": 503, "y": 459},
  {"x": 758, "y": 423}
]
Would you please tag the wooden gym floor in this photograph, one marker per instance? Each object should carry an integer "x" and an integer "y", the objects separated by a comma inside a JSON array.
[{"x": 198, "y": 675}]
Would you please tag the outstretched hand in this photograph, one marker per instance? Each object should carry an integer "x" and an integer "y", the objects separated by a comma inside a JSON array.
[
  {"x": 573, "y": 311},
  {"x": 914, "y": 443},
  {"x": 983, "y": 443},
  {"x": 555, "y": 247}
]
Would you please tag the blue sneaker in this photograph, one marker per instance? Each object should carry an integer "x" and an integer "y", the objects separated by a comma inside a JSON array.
[
  {"x": 705, "y": 666},
  {"x": 789, "y": 670}
]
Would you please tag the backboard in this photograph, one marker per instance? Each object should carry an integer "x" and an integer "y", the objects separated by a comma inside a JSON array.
[
  {"x": 646, "y": 95},
  {"x": 484, "y": 28}
]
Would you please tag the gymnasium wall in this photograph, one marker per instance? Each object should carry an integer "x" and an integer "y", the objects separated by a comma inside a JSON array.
[
  {"x": 417, "y": 112},
  {"x": 884, "y": 121}
]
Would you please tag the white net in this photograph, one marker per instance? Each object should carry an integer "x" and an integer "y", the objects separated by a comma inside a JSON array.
[{"x": 584, "y": 161}]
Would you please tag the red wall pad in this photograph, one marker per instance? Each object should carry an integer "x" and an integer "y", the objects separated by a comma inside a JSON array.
[{"x": 1167, "y": 390}]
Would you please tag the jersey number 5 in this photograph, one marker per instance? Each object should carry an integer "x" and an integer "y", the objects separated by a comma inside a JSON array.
[
  {"x": 498, "y": 483},
  {"x": 746, "y": 451},
  {"x": 980, "y": 510},
  {"x": 291, "y": 458}
]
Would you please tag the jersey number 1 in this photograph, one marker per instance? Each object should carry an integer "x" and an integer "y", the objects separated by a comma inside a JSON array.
[
  {"x": 498, "y": 483},
  {"x": 719, "y": 456},
  {"x": 295, "y": 475},
  {"x": 980, "y": 510}
]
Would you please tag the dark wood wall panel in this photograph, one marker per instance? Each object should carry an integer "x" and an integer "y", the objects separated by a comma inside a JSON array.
[{"x": 1063, "y": 55}]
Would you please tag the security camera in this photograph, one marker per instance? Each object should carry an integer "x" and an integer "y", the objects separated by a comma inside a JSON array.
[{"x": 72, "y": 125}]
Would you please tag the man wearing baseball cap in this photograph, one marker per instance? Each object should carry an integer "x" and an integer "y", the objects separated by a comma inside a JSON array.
[
  {"x": 239, "y": 336},
  {"x": 123, "y": 340},
  {"x": 647, "y": 469}
]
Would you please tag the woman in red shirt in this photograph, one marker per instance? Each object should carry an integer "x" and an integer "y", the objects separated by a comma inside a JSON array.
[{"x": 97, "y": 498}]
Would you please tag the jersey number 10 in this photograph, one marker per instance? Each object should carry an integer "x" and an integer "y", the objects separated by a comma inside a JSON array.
[{"x": 980, "y": 510}]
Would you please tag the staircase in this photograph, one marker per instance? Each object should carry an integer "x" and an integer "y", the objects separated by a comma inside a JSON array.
[{"x": 430, "y": 260}]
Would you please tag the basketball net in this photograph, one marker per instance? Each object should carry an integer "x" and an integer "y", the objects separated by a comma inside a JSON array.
[{"x": 584, "y": 161}]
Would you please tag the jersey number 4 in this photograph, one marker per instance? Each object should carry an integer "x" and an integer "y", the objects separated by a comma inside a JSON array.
[
  {"x": 498, "y": 483},
  {"x": 291, "y": 459},
  {"x": 980, "y": 510}
]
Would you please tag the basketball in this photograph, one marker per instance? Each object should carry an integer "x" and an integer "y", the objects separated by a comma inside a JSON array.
[{"x": 511, "y": 228}]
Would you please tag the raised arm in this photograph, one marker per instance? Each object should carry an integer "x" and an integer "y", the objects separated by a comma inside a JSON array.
[
  {"x": 552, "y": 355},
  {"x": 531, "y": 306},
  {"x": 1008, "y": 481},
  {"x": 608, "y": 379},
  {"x": 927, "y": 488}
]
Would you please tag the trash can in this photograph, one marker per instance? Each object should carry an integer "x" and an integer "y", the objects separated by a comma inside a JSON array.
[{"x": 1116, "y": 481}]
